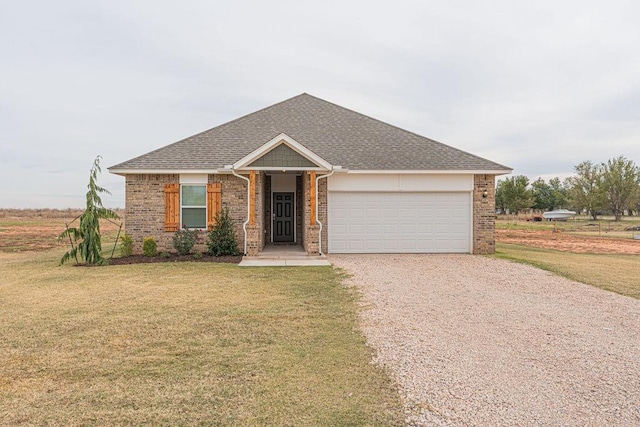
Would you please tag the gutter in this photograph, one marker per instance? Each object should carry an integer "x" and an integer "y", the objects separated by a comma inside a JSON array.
[
  {"x": 244, "y": 224},
  {"x": 318, "y": 178}
]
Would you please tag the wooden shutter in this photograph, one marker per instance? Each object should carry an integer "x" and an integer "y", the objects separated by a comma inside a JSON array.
[
  {"x": 214, "y": 202},
  {"x": 171, "y": 207}
]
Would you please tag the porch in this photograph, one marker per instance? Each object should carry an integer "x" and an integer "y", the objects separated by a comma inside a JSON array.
[
  {"x": 284, "y": 210},
  {"x": 287, "y": 196}
]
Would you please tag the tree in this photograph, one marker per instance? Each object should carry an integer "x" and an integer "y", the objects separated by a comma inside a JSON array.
[
  {"x": 585, "y": 188},
  {"x": 514, "y": 194},
  {"x": 636, "y": 199},
  {"x": 542, "y": 195},
  {"x": 500, "y": 204},
  {"x": 559, "y": 193},
  {"x": 85, "y": 239},
  {"x": 620, "y": 180}
]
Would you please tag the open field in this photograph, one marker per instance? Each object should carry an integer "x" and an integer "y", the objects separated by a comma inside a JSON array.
[
  {"x": 38, "y": 229},
  {"x": 579, "y": 236},
  {"x": 183, "y": 344},
  {"x": 604, "y": 226}
]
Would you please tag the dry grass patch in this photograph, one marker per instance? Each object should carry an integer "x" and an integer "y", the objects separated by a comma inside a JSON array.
[
  {"x": 183, "y": 344},
  {"x": 617, "y": 273}
]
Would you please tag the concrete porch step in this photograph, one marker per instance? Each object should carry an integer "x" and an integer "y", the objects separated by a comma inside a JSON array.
[
  {"x": 286, "y": 255},
  {"x": 257, "y": 261},
  {"x": 283, "y": 255}
]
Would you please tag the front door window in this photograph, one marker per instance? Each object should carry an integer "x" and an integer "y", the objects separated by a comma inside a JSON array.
[{"x": 283, "y": 217}]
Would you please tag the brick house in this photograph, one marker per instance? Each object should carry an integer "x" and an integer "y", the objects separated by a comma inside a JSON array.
[{"x": 311, "y": 173}]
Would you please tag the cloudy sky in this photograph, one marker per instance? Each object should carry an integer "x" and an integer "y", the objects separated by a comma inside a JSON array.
[{"x": 538, "y": 86}]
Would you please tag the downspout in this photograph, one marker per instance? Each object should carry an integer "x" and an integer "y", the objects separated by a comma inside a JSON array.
[
  {"x": 244, "y": 224},
  {"x": 318, "y": 178}
]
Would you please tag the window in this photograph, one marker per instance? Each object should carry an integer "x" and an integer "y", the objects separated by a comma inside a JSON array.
[{"x": 193, "y": 206}]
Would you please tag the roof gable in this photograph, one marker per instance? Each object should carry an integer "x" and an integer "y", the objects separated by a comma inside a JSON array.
[
  {"x": 282, "y": 156},
  {"x": 282, "y": 152},
  {"x": 334, "y": 134}
]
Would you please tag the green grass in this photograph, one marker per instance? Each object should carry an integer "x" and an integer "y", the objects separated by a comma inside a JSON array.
[
  {"x": 184, "y": 344},
  {"x": 616, "y": 273}
]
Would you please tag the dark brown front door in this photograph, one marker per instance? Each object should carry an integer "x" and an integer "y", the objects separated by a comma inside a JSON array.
[{"x": 283, "y": 224}]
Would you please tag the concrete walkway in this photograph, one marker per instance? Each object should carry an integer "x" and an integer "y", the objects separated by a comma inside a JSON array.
[
  {"x": 261, "y": 262},
  {"x": 284, "y": 256}
]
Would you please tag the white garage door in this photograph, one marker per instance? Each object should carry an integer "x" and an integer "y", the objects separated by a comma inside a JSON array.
[{"x": 372, "y": 222}]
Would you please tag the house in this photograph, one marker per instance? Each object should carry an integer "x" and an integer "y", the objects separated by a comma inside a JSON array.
[{"x": 312, "y": 173}]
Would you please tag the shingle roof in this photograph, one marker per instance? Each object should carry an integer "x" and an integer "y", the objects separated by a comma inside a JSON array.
[{"x": 338, "y": 135}]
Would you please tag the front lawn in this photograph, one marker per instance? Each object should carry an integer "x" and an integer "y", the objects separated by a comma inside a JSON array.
[{"x": 183, "y": 344}]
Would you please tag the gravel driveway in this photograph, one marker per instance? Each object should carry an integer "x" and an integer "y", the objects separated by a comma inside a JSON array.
[{"x": 479, "y": 341}]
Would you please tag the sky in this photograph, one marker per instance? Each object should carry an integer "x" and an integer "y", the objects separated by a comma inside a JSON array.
[{"x": 537, "y": 86}]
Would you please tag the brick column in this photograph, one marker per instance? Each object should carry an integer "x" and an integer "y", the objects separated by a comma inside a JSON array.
[
  {"x": 311, "y": 241},
  {"x": 484, "y": 214},
  {"x": 253, "y": 240}
]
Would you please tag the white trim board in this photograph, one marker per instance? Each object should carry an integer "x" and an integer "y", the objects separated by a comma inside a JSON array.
[
  {"x": 400, "y": 183},
  {"x": 430, "y": 171}
]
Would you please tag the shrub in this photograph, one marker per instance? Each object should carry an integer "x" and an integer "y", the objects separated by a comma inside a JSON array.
[
  {"x": 183, "y": 240},
  {"x": 126, "y": 245},
  {"x": 197, "y": 255},
  {"x": 222, "y": 237},
  {"x": 165, "y": 255},
  {"x": 150, "y": 247}
]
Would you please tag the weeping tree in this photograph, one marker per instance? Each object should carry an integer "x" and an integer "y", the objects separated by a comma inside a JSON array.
[{"x": 85, "y": 240}]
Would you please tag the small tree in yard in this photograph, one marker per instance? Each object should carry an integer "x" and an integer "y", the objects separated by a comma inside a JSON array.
[
  {"x": 222, "y": 237},
  {"x": 85, "y": 239}
]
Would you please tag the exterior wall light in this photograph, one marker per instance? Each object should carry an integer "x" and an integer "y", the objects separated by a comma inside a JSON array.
[{"x": 485, "y": 193}]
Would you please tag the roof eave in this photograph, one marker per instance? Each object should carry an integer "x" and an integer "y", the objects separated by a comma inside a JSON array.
[
  {"x": 140, "y": 171},
  {"x": 433, "y": 171},
  {"x": 149, "y": 171}
]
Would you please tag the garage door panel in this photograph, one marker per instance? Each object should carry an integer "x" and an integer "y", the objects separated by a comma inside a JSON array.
[
  {"x": 399, "y": 222},
  {"x": 408, "y": 229},
  {"x": 339, "y": 213}
]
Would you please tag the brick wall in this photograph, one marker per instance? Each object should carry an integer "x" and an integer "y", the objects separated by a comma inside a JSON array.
[
  {"x": 299, "y": 211},
  {"x": 234, "y": 197},
  {"x": 484, "y": 214},
  {"x": 311, "y": 231},
  {"x": 322, "y": 213},
  {"x": 306, "y": 217},
  {"x": 145, "y": 200},
  {"x": 260, "y": 208},
  {"x": 267, "y": 208},
  {"x": 144, "y": 209}
]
